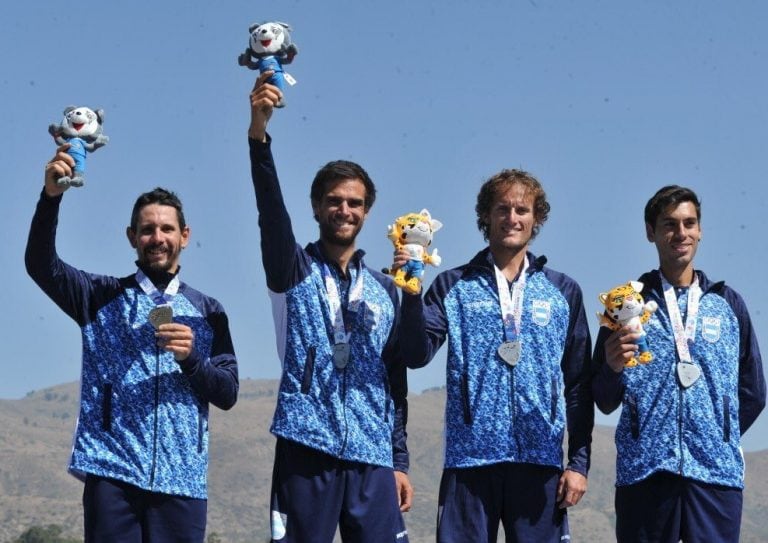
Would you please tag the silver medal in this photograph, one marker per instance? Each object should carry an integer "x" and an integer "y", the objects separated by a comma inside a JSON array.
[
  {"x": 509, "y": 351},
  {"x": 687, "y": 374},
  {"x": 341, "y": 355},
  {"x": 162, "y": 314}
]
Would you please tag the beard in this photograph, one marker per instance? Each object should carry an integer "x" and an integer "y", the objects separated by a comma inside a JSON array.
[{"x": 330, "y": 234}]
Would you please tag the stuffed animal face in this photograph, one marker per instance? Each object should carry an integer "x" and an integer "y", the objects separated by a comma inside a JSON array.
[
  {"x": 269, "y": 38},
  {"x": 80, "y": 122},
  {"x": 414, "y": 229},
  {"x": 623, "y": 302}
]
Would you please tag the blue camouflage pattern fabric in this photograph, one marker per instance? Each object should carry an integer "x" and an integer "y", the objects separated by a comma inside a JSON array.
[
  {"x": 143, "y": 416},
  {"x": 345, "y": 413},
  {"x": 693, "y": 432},
  {"x": 498, "y": 413}
]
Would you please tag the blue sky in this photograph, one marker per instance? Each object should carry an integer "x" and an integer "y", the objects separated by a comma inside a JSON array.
[{"x": 604, "y": 101}]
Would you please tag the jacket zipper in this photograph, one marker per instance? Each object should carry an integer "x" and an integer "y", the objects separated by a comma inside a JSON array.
[
  {"x": 155, "y": 424},
  {"x": 344, "y": 411}
]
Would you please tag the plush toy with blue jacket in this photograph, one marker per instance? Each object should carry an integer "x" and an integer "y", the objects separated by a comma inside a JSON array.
[
  {"x": 81, "y": 128},
  {"x": 269, "y": 48},
  {"x": 413, "y": 233}
]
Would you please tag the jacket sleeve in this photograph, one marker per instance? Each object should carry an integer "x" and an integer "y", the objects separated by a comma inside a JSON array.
[
  {"x": 278, "y": 244},
  {"x": 215, "y": 379},
  {"x": 423, "y": 326},
  {"x": 751, "y": 376},
  {"x": 576, "y": 366},
  {"x": 398, "y": 390},
  {"x": 70, "y": 288},
  {"x": 607, "y": 385}
]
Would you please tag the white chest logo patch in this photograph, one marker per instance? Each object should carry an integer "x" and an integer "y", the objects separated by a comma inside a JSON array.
[
  {"x": 541, "y": 312},
  {"x": 710, "y": 329}
]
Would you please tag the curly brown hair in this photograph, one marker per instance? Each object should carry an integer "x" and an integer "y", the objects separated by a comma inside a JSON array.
[{"x": 501, "y": 183}]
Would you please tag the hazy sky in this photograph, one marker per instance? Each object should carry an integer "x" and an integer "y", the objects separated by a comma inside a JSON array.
[{"x": 605, "y": 101}]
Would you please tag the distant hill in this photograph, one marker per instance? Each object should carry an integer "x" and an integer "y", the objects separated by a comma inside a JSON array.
[{"x": 35, "y": 442}]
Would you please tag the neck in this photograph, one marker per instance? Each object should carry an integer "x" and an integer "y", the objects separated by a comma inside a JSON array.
[
  {"x": 510, "y": 262},
  {"x": 340, "y": 254},
  {"x": 159, "y": 278},
  {"x": 678, "y": 277}
]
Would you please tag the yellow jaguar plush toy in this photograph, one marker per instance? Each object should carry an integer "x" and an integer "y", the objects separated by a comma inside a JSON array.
[
  {"x": 413, "y": 232},
  {"x": 624, "y": 306}
]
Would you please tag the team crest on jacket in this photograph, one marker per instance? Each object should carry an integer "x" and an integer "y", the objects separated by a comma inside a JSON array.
[
  {"x": 710, "y": 328},
  {"x": 541, "y": 312}
]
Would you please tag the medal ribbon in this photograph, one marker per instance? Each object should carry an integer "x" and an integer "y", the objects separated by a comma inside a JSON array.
[
  {"x": 511, "y": 304},
  {"x": 683, "y": 332},
  {"x": 340, "y": 334},
  {"x": 150, "y": 289}
]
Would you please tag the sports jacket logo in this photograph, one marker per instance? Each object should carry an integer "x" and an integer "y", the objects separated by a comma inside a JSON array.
[
  {"x": 710, "y": 328},
  {"x": 541, "y": 312}
]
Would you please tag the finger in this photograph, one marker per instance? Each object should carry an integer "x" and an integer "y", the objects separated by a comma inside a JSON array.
[
  {"x": 263, "y": 76},
  {"x": 561, "y": 489},
  {"x": 267, "y": 96}
]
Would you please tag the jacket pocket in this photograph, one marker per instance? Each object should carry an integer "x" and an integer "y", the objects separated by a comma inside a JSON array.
[
  {"x": 106, "y": 407},
  {"x": 309, "y": 369},
  {"x": 200, "y": 432},
  {"x": 634, "y": 417},
  {"x": 465, "y": 399},
  {"x": 726, "y": 419},
  {"x": 553, "y": 398}
]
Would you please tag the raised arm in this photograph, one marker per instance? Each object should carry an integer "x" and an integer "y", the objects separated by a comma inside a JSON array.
[
  {"x": 64, "y": 284},
  {"x": 278, "y": 244}
]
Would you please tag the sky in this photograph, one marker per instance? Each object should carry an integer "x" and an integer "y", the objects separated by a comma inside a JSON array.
[{"x": 604, "y": 101}]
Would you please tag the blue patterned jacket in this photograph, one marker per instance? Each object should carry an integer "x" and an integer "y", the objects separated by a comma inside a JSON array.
[
  {"x": 358, "y": 413},
  {"x": 496, "y": 413},
  {"x": 143, "y": 416},
  {"x": 694, "y": 432}
]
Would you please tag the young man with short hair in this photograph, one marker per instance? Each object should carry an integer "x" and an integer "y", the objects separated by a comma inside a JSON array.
[
  {"x": 679, "y": 466},
  {"x": 517, "y": 375},
  {"x": 341, "y": 457},
  {"x": 156, "y": 352}
]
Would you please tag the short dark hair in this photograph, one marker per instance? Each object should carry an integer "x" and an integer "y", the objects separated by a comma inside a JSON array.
[
  {"x": 159, "y": 196},
  {"x": 500, "y": 183},
  {"x": 339, "y": 170},
  {"x": 671, "y": 195}
]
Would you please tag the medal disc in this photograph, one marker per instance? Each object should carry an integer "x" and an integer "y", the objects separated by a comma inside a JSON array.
[
  {"x": 509, "y": 351},
  {"x": 687, "y": 374},
  {"x": 162, "y": 314},
  {"x": 341, "y": 355}
]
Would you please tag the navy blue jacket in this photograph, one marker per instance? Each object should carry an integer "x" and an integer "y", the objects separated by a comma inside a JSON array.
[
  {"x": 694, "y": 432},
  {"x": 143, "y": 415},
  {"x": 358, "y": 413},
  {"x": 494, "y": 412}
]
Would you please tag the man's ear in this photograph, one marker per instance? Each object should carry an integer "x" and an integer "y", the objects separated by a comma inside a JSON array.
[
  {"x": 185, "y": 233},
  {"x": 130, "y": 234},
  {"x": 649, "y": 232}
]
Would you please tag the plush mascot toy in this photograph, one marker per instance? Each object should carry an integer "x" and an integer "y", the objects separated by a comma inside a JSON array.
[
  {"x": 81, "y": 128},
  {"x": 413, "y": 232},
  {"x": 269, "y": 48},
  {"x": 624, "y": 306}
]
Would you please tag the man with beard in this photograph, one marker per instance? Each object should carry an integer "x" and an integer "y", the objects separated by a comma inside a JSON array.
[
  {"x": 156, "y": 352},
  {"x": 341, "y": 409},
  {"x": 679, "y": 467}
]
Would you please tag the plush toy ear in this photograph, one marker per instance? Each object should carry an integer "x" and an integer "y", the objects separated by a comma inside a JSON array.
[
  {"x": 100, "y": 116},
  {"x": 436, "y": 225},
  {"x": 603, "y": 297},
  {"x": 253, "y": 27},
  {"x": 69, "y": 108},
  {"x": 637, "y": 285},
  {"x": 285, "y": 26}
]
